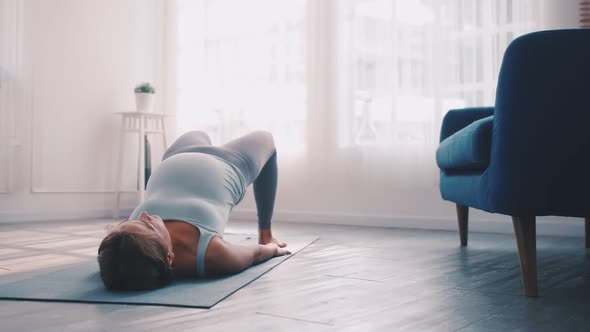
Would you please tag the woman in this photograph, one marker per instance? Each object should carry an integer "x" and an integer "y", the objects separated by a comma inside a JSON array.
[{"x": 179, "y": 226}]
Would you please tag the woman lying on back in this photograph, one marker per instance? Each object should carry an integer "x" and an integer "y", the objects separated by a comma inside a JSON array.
[{"x": 177, "y": 231}]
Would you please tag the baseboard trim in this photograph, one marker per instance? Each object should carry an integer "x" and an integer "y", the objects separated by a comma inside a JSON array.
[
  {"x": 48, "y": 216},
  {"x": 546, "y": 226}
]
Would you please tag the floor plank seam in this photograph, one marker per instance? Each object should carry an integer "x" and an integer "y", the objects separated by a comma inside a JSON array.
[
  {"x": 515, "y": 295},
  {"x": 35, "y": 251},
  {"x": 353, "y": 278},
  {"x": 481, "y": 319},
  {"x": 293, "y": 318}
]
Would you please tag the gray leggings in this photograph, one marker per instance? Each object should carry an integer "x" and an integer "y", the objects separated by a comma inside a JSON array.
[{"x": 254, "y": 154}]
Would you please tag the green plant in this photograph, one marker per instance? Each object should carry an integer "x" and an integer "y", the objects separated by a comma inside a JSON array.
[{"x": 144, "y": 88}]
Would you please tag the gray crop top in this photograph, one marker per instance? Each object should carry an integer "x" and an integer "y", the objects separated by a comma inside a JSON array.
[{"x": 198, "y": 188}]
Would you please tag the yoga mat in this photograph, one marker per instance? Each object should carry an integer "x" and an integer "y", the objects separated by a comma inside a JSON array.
[{"x": 81, "y": 283}]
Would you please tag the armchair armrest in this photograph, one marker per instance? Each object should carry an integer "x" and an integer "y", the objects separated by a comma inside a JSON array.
[
  {"x": 458, "y": 119},
  {"x": 468, "y": 149}
]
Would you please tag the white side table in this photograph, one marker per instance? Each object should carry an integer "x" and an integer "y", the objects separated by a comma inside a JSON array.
[{"x": 142, "y": 123}]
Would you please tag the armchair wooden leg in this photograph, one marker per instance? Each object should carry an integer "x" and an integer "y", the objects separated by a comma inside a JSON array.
[
  {"x": 463, "y": 218},
  {"x": 587, "y": 222},
  {"x": 525, "y": 231}
]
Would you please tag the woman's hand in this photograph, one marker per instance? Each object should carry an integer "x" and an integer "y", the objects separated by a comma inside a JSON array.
[
  {"x": 276, "y": 249},
  {"x": 265, "y": 237}
]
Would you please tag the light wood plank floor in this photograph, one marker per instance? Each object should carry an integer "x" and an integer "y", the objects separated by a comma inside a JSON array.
[{"x": 352, "y": 279}]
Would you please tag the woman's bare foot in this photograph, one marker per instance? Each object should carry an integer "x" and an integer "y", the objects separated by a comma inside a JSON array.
[{"x": 265, "y": 237}]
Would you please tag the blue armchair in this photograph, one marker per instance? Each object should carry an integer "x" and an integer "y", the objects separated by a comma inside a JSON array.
[{"x": 529, "y": 155}]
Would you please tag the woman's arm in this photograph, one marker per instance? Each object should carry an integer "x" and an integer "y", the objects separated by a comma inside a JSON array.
[{"x": 224, "y": 258}]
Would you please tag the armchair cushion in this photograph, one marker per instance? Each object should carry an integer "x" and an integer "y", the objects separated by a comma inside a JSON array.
[
  {"x": 457, "y": 119},
  {"x": 468, "y": 149}
]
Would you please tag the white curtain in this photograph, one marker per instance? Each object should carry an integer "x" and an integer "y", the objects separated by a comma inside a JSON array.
[
  {"x": 353, "y": 90},
  {"x": 241, "y": 68}
]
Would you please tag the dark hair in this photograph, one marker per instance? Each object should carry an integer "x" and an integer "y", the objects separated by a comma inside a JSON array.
[{"x": 133, "y": 260}]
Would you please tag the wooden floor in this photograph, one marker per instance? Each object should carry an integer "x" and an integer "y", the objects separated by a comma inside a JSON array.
[{"x": 352, "y": 279}]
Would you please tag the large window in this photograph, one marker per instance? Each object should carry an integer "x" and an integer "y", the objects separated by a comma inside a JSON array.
[
  {"x": 240, "y": 68},
  {"x": 400, "y": 65},
  {"x": 411, "y": 61}
]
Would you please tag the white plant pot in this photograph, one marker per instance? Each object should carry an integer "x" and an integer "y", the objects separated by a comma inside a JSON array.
[{"x": 144, "y": 102}]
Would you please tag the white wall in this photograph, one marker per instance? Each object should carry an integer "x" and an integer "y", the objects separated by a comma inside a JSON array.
[
  {"x": 560, "y": 14},
  {"x": 79, "y": 63},
  {"x": 8, "y": 64}
]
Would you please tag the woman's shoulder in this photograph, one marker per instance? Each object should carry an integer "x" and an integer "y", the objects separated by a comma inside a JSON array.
[{"x": 185, "y": 240}]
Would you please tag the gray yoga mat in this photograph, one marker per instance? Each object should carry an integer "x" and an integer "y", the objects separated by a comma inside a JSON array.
[{"x": 81, "y": 283}]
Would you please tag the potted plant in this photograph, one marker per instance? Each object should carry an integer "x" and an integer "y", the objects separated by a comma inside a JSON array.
[{"x": 144, "y": 97}]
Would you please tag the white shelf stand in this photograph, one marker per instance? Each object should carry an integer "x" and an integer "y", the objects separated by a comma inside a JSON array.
[{"x": 142, "y": 123}]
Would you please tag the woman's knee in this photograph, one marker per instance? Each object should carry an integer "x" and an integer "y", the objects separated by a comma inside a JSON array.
[
  {"x": 201, "y": 136},
  {"x": 266, "y": 138},
  {"x": 198, "y": 132}
]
